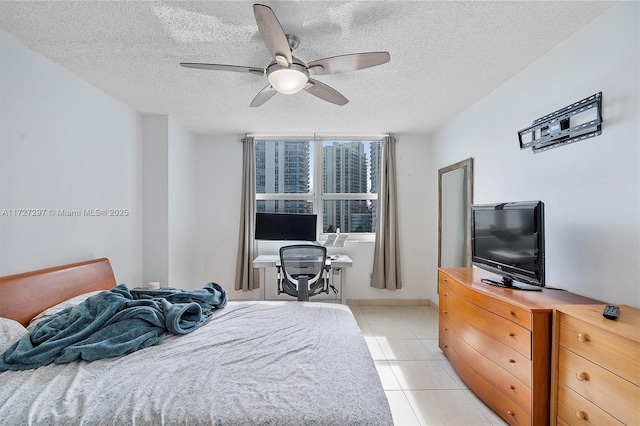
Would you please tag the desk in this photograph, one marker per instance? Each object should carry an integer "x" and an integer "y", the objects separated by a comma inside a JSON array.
[{"x": 338, "y": 263}]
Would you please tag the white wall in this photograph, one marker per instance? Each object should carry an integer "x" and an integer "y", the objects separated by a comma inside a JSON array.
[
  {"x": 415, "y": 199},
  {"x": 219, "y": 183},
  {"x": 65, "y": 145},
  {"x": 155, "y": 199},
  {"x": 219, "y": 165},
  {"x": 590, "y": 188},
  {"x": 182, "y": 211},
  {"x": 169, "y": 203}
]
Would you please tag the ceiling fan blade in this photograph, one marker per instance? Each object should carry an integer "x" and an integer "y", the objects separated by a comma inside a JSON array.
[
  {"x": 325, "y": 92},
  {"x": 272, "y": 33},
  {"x": 263, "y": 96},
  {"x": 218, "y": 67},
  {"x": 346, "y": 63}
]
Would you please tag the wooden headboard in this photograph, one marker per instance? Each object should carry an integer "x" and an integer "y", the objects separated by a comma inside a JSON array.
[{"x": 23, "y": 296}]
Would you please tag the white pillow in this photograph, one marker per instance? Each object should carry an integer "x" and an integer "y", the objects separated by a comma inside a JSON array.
[
  {"x": 60, "y": 307},
  {"x": 10, "y": 332}
]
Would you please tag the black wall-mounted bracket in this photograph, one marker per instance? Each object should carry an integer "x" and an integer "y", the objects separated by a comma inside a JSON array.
[{"x": 576, "y": 122}]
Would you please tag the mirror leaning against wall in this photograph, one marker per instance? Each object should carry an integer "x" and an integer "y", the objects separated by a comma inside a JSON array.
[{"x": 455, "y": 196}]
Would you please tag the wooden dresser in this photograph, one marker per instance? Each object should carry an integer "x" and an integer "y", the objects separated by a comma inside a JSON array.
[
  {"x": 499, "y": 341},
  {"x": 596, "y": 366}
]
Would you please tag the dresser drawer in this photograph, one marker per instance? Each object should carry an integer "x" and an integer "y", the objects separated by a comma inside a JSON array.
[
  {"x": 504, "y": 309},
  {"x": 501, "y": 329},
  {"x": 443, "y": 335},
  {"x": 502, "y": 380},
  {"x": 502, "y": 355},
  {"x": 617, "y": 396},
  {"x": 444, "y": 279},
  {"x": 447, "y": 308},
  {"x": 576, "y": 410},
  {"x": 611, "y": 351},
  {"x": 452, "y": 310},
  {"x": 444, "y": 298},
  {"x": 504, "y": 406}
]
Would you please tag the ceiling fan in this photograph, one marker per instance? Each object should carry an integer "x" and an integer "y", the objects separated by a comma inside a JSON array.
[{"x": 288, "y": 74}]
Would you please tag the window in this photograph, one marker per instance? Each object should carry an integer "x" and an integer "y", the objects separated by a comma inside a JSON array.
[
  {"x": 289, "y": 173},
  {"x": 284, "y": 172}
]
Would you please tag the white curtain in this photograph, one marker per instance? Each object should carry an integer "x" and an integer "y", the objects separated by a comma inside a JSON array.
[
  {"x": 386, "y": 255},
  {"x": 247, "y": 277}
]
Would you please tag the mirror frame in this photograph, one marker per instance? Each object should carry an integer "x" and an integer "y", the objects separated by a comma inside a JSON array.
[{"x": 468, "y": 164}]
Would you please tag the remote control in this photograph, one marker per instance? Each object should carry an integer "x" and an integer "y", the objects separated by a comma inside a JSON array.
[{"x": 611, "y": 312}]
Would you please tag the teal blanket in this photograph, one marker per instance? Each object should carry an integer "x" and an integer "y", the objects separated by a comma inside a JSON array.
[{"x": 113, "y": 323}]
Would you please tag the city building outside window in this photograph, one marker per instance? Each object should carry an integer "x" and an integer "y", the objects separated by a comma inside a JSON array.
[{"x": 335, "y": 179}]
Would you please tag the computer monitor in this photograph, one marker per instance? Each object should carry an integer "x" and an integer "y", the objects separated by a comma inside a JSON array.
[{"x": 286, "y": 227}]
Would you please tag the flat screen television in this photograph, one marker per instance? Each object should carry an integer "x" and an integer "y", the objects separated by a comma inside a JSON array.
[
  {"x": 508, "y": 239},
  {"x": 286, "y": 226}
]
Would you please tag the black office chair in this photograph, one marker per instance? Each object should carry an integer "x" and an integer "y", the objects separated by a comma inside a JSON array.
[{"x": 304, "y": 271}]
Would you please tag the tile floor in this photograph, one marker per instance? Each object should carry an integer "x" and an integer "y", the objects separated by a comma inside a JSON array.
[{"x": 420, "y": 384}]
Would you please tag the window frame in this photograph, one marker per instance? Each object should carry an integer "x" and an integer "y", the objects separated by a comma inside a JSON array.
[{"x": 317, "y": 194}]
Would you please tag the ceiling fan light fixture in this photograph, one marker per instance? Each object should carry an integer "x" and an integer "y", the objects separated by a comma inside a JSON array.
[
  {"x": 288, "y": 80},
  {"x": 288, "y": 74}
]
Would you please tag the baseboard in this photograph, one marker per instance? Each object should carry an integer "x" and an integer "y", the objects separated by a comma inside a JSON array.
[{"x": 388, "y": 302}]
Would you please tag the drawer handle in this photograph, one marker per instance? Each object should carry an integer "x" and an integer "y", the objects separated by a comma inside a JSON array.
[
  {"x": 512, "y": 361},
  {"x": 510, "y": 334},
  {"x": 445, "y": 312},
  {"x": 582, "y": 376},
  {"x": 583, "y": 338},
  {"x": 511, "y": 312},
  {"x": 581, "y": 415},
  {"x": 446, "y": 329},
  {"x": 444, "y": 294},
  {"x": 511, "y": 413},
  {"x": 511, "y": 387}
]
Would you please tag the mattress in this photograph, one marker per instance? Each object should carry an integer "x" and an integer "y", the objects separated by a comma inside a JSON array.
[{"x": 276, "y": 363}]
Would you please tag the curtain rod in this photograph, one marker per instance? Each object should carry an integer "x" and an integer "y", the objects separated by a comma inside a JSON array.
[{"x": 316, "y": 136}]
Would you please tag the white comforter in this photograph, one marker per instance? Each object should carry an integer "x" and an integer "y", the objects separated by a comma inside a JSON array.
[{"x": 255, "y": 363}]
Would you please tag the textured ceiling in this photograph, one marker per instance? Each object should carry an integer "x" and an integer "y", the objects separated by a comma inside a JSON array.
[{"x": 444, "y": 56}]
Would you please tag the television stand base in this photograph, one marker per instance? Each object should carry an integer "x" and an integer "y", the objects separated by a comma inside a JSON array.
[{"x": 520, "y": 286}]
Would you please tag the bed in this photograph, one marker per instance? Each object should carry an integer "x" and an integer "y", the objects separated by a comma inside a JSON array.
[{"x": 275, "y": 363}]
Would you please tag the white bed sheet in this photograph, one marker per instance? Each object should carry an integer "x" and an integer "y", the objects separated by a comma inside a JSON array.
[{"x": 254, "y": 363}]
